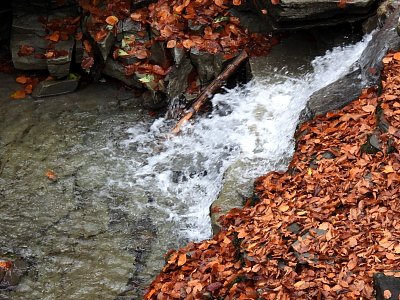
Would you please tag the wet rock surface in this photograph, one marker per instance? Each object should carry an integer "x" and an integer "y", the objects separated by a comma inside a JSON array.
[
  {"x": 366, "y": 72},
  {"x": 86, "y": 238}
]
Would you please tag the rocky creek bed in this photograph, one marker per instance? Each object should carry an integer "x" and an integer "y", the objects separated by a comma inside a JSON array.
[{"x": 94, "y": 190}]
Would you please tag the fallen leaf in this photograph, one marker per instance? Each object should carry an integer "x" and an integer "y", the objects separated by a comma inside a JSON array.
[
  {"x": 171, "y": 44},
  {"x": 54, "y": 37},
  {"x": 87, "y": 62},
  {"x": 5, "y": 264},
  {"x": 388, "y": 169},
  {"x": 22, "y": 79},
  {"x": 112, "y": 20},
  {"x": 26, "y": 50},
  {"x": 51, "y": 175},
  {"x": 18, "y": 95},
  {"x": 396, "y": 56},
  {"x": 284, "y": 207},
  {"x": 368, "y": 108},
  {"x": 182, "y": 259},
  {"x": 387, "y": 294}
]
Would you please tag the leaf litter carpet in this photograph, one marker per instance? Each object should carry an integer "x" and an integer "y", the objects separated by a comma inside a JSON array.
[{"x": 318, "y": 231}]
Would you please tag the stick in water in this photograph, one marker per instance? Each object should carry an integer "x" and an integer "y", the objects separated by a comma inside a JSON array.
[{"x": 211, "y": 89}]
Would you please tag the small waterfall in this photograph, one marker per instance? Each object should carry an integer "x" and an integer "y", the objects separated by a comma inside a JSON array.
[{"x": 254, "y": 124}]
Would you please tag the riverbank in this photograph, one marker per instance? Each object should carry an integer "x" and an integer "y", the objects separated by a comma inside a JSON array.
[{"x": 321, "y": 229}]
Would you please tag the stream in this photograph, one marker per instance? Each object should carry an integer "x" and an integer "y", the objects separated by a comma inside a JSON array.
[{"x": 127, "y": 191}]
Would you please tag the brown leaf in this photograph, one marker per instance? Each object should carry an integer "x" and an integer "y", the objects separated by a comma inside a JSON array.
[
  {"x": 26, "y": 50},
  {"x": 22, "y": 79},
  {"x": 18, "y": 95},
  {"x": 387, "y": 294},
  {"x": 112, "y": 20},
  {"x": 368, "y": 108},
  {"x": 5, "y": 264},
  {"x": 171, "y": 44},
  {"x": 87, "y": 62},
  {"x": 54, "y": 37},
  {"x": 188, "y": 43},
  {"x": 51, "y": 175},
  {"x": 182, "y": 259},
  {"x": 214, "y": 286}
]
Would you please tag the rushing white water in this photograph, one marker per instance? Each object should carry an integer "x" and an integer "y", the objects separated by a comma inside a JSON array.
[{"x": 254, "y": 124}]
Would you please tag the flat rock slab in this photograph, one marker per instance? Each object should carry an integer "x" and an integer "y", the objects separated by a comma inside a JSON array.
[
  {"x": 48, "y": 88},
  {"x": 288, "y": 13}
]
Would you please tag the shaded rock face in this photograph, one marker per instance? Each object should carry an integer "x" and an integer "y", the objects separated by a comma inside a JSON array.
[
  {"x": 366, "y": 72},
  {"x": 310, "y": 13},
  {"x": 5, "y": 20}
]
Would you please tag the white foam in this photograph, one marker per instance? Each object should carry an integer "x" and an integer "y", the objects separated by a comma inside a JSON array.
[{"x": 254, "y": 124}]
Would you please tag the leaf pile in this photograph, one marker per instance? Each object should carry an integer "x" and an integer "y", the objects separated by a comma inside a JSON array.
[
  {"x": 321, "y": 229},
  {"x": 204, "y": 25}
]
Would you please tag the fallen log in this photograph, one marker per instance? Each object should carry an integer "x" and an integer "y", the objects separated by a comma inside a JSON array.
[{"x": 211, "y": 89}]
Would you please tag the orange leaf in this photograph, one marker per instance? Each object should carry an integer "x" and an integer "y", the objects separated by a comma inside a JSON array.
[
  {"x": 54, "y": 37},
  {"x": 220, "y": 3},
  {"x": 188, "y": 43},
  {"x": 237, "y": 2},
  {"x": 387, "y": 294},
  {"x": 18, "y": 95},
  {"x": 396, "y": 56},
  {"x": 284, "y": 207},
  {"x": 275, "y": 2},
  {"x": 388, "y": 169},
  {"x": 136, "y": 16},
  {"x": 112, "y": 20},
  {"x": 26, "y": 50},
  {"x": 171, "y": 44},
  {"x": 87, "y": 46},
  {"x": 368, "y": 108},
  {"x": 51, "y": 175},
  {"x": 28, "y": 89},
  {"x": 5, "y": 264},
  {"x": 182, "y": 259},
  {"x": 342, "y": 3},
  {"x": 22, "y": 79}
]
